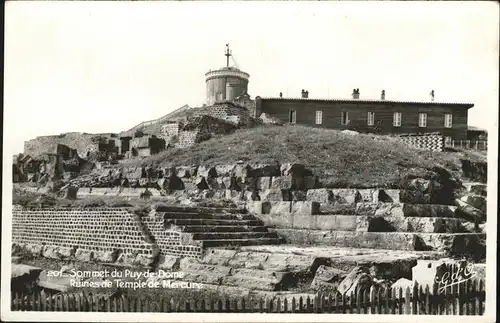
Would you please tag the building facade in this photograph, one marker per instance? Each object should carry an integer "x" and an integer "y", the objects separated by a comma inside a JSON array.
[{"x": 374, "y": 116}]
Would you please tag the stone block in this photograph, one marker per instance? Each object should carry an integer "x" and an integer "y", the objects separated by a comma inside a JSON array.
[
  {"x": 264, "y": 183},
  {"x": 275, "y": 195},
  {"x": 105, "y": 256},
  {"x": 249, "y": 260},
  {"x": 25, "y": 271},
  {"x": 66, "y": 252},
  {"x": 282, "y": 182},
  {"x": 144, "y": 260},
  {"x": 84, "y": 255},
  {"x": 35, "y": 249},
  {"x": 214, "y": 183},
  {"x": 469, "y": 212},
  {"x": 304, "y": 207},
  {"x": 225, "y": 170},
  {"x": 254, "y": 207},
  {"x": 321, "y": 195},
  {"x": 201, "y": 183},
  {"x": 327, "y": 278},
  {"x": 51, "y": 252},
  {"x": 278, "y": 220},
  {"x": 220, "y": 257},
  {"x": 477, "y": 201},
  {"x": 358, "y": 277},
  {"x": 298, "y": 195},
  {"x": 289, "y": 169},
  {"x": 369, "y": 195},
  {"x": 242, "y": 170},
  {"x": 478, "y": 189},
  {"x": 346, "y": 196},
  {"x": 280, "y": 207},
  {"x": 207, "y": 171},
  {"x": 265, "y": 170},
  {"x": 183, "y": 172},
  {"x": 235, "y": 196},
  {"x": 285, "y": 262},
  {"x": 389, "y": 196}
]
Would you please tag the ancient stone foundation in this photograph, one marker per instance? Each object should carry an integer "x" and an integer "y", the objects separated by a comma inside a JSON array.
[{"x": 103, "y": 234}]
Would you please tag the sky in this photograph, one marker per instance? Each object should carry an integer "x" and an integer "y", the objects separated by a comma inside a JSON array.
[{"x": 106, "y": 66}]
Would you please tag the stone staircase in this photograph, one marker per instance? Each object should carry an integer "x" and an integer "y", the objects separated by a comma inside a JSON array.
[
  {"x": 380, "y": 225},
  {"x": 218, "y": 226}
]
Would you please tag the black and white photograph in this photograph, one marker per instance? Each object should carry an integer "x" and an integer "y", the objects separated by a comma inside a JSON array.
[{"x": 241, "y": 161}]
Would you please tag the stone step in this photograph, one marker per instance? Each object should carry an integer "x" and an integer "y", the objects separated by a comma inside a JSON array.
[
  {"x": 197, "y": 221},
  {"x": 460, "y": 244},
  {"x": 242, "y": 277},
  {"x": 223, "y": 228},
  {"x": 240, "y": 242},
  {"x": 262, "y": 260},
  {"x": 406, "y": 210},
  {"x": 198, "y": 209},
  {"x": 476, "y": 188},
  {"x": 233, "y": 235},
  {"x": 195, "y": 215},
  {"x": 367, "y": 223}
]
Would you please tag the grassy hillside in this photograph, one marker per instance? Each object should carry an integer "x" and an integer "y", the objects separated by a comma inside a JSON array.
[{"x": 340, "y": 159}]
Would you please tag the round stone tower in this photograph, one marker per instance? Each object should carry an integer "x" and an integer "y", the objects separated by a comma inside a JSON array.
[{"x": 226, "y": 83}]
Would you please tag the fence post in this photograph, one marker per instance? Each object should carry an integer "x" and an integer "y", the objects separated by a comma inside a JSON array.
[
  {"x": 407, "y": 301},
  {"x": 482, "y": 297},
  {"x": 366, "y": 300},
  {"x": 308, "y": 305},
  {"x": 416, "y": 300},
  {"x": 293, "y": 304},
  {"x": 373, "y": 299},
  {"x": 474, "y": 297}
]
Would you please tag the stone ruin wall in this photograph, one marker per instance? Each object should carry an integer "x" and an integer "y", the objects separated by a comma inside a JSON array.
[
  {"x": 226, "y": 111},
  {"x": 100, "y": 231},
  {"x": 82, "y": 142}
]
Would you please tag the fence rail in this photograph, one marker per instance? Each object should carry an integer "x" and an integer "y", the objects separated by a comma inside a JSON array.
[
  {"x": 466, "y": 298},
  {"x": 467, "y": 144}
]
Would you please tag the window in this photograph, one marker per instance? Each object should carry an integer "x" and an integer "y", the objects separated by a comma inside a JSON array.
[
  {"x": 344, "y": 118},
  {"x": 422, "y": 120},
  {"x": 371, "y": 118},
  {"x": 448, "y": 121},
  {"x": 292, "y": 116},
  {"x": 396, "y": 120},
  {"x": 319, "y": 117}
]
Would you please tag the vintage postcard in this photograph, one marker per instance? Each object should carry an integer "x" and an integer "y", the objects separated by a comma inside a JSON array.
[{"x": 250, "y": 161}]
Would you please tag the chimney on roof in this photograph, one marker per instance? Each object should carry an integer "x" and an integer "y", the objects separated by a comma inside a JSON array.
[
  {"x": 305, "y": 94},
  {"x": 281, "y": 94},
  {"x": 382, "y": 95},
  {"x": 355, "y": 94},
  {"x": 432, "y": 95}
]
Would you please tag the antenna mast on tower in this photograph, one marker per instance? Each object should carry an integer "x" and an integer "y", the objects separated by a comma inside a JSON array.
[{"x": 227, "y": 54}]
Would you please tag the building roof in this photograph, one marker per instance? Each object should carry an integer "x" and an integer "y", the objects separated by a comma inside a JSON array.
[{"x": 365, "y": 101}]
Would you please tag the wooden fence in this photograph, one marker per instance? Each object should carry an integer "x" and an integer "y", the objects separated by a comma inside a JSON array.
[
  {"x": 466, "y": 298},
  {"x": 467, "y": 144}
]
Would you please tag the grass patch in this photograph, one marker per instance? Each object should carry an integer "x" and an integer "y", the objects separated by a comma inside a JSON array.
[{"x": 339, "y": 159}]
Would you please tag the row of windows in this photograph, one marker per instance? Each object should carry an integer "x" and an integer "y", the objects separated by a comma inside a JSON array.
[{"x": 396, "y": 119}]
